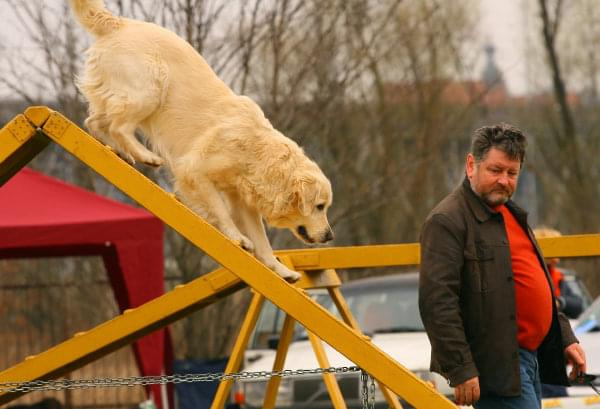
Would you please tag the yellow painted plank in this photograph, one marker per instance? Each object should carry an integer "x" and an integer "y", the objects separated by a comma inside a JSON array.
[
  {"x": 354, "y": 256},
  {"x": 20, "y": 129},
  {"x": 290, "y": 299},
  {"x": 580, "y": 245},
  {"x": 17, "y": 146},
  {"x": 38, "y": 115}
]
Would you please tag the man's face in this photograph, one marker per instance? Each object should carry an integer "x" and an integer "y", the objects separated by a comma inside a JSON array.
[{"x": 494, "y": 179}]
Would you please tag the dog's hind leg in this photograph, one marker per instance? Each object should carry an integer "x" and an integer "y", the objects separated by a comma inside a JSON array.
[
  {"x": 250, "y": 223},
  {"x": 97, "y": 124},
  {"x": 124, "y": 116},
  {"x": 123, "y": 90},
  {"x": 122, "y": 132}
]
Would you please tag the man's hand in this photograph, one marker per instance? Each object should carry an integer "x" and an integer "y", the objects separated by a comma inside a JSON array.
[
  {"x": 576, "y": 358},
  {"x": 467, "y": 393}
]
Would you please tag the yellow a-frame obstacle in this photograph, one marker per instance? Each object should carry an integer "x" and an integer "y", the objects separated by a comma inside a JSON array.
[{"x": 29, "y": 133}]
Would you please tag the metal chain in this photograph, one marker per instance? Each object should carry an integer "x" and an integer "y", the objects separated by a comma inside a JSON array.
[
  {"x": 60, "y": 384},
  {"x": 368, "y": 390},
  {"x": 372, "y": 394}
]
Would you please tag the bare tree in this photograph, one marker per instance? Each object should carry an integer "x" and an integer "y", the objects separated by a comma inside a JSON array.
[{"x": 568, "y": 153}]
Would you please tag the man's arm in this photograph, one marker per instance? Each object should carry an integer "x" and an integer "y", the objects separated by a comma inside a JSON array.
[
  {"x": 574, "y": 354},
  {"x": 568, "y": 337},
  {"x": 442, "y": 259}
]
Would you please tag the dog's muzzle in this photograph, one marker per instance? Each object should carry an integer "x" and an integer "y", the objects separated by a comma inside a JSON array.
[{"x": 328, "y": 236}]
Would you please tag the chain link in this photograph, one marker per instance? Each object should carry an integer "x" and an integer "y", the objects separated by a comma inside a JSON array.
[
  {"x": 367, "y": 384},
  {"x": 372, "y": 393},
  {"x": 60, "y": 384}
]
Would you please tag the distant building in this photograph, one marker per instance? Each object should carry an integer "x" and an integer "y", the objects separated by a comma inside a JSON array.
[
  {"x": 492, "y": 76},
  {"x": 489, "y": 91}
]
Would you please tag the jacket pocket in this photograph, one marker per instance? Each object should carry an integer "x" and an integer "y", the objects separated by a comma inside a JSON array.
[{"x": 479, "y": 263}]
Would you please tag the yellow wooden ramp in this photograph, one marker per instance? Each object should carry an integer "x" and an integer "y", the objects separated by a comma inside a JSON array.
[{"x": 27, "y": 134}]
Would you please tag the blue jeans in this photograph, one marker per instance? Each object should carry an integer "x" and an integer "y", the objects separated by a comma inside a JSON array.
[{"x": 531, "y": 389}]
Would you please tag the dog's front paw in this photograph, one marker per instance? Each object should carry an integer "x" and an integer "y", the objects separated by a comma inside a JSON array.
[
  {"x": 287, "y": 274},
  {"x": 245, "y": 243},
  {"x": 152, "y": 160},
  {"x": 126, "y": 157}
]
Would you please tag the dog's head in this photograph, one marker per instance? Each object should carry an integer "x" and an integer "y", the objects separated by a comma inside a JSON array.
[{"x": 304, "y": 209}]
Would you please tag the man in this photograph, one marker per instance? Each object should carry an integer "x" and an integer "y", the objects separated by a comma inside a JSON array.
[{"x": 485, "y": 295}]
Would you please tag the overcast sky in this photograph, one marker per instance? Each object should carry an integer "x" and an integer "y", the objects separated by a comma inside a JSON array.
[{"x": 503, "y": 22}]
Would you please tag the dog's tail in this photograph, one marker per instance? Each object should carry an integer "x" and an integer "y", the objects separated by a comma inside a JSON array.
[{"x": 94, "y": 17}]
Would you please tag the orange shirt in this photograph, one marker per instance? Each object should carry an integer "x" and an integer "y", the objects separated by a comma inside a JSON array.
[
  {"x": 532, "y": 290},
  {"x": 557, "y": 277}
]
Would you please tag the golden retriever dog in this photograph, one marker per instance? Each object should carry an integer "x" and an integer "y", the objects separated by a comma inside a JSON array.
[{"x": 228, "y": 162}]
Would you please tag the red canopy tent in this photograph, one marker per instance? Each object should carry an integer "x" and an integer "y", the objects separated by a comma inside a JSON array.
[{"x": 44, "y": 217}]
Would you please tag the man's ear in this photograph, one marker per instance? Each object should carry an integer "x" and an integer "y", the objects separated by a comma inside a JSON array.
[{"x": 470, "y": 165}]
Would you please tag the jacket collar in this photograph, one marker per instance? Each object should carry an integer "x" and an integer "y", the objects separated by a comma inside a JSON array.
[{"x": 482, "y": 211}]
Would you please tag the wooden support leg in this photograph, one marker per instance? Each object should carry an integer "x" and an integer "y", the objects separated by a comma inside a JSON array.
[
  {"x": 287, "y": 332},
  {"x": 330, "y": 382},
  {"x": 237, "y": 354}
]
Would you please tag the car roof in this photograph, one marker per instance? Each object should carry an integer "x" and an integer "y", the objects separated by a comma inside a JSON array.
[{"x": 409, "y": 279}]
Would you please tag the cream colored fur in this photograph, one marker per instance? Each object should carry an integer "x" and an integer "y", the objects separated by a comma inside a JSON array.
[{"x": 229, "y": 164}]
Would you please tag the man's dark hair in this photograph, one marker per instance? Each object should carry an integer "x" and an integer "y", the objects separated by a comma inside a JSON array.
[{"x": 504, "y": 137}]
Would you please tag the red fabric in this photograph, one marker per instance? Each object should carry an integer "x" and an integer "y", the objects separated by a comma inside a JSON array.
[
  {"x": 557, "y": 277},
  {"x": 532, "y": 290},
  {"x": 41, "y": 216}
]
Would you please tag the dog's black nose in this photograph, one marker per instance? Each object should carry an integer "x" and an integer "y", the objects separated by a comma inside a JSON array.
[{"x": 328, "y": 236}]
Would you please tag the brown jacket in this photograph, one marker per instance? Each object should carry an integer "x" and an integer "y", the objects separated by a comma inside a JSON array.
[{"x": 467, "y": 298}]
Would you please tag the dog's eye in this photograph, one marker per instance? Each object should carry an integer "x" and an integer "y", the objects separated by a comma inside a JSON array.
[{"x": 320, "y": 206}]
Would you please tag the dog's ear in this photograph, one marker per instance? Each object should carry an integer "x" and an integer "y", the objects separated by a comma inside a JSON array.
[
  {"x": 283, "y": 204},
  {"x": 307, "y": 191}
]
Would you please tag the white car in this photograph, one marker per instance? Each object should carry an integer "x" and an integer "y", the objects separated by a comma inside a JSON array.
[{"x": 386, "y": 308}]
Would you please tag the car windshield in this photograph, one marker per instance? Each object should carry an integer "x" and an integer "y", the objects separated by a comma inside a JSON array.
[{"x": 381, "y": 309}]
